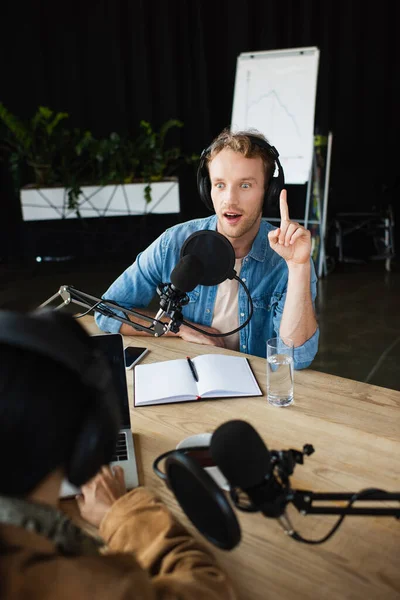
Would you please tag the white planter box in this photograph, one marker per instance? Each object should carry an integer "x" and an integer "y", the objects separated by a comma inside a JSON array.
[{"x": 40, "y": 204}]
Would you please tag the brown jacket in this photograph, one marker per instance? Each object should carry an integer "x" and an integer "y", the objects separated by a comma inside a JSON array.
[{"x": 149, "y": 556}]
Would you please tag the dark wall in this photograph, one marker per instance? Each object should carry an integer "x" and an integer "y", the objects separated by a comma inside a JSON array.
[{"x": 111, "y": 63}]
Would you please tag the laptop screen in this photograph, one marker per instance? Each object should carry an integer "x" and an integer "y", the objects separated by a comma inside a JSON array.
[{"x": 111, "y": 345}]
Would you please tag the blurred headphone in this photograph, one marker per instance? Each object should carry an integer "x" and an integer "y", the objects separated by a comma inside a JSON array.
[
  {"x": 276, "y": 184},
  {"x": 58, "y": 337}
]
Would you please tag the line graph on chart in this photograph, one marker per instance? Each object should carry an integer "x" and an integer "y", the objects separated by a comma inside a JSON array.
[{"x": 275, "y": 94}]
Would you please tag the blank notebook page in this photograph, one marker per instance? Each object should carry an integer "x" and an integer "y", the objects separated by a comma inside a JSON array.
[
  {"x": 170, "y": 378},
  {"x": 225, "y": 375}
]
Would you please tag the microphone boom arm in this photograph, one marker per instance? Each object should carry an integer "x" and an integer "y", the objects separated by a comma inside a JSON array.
[
  {"x": 273, "y": 495},
  {"x": 303, "y": 501},
  {"x": 170, "y": 307},
  {"x": 69, "y": 295}
]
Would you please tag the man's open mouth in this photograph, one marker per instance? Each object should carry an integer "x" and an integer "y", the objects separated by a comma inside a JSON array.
[{"x": 232, "y": 216}]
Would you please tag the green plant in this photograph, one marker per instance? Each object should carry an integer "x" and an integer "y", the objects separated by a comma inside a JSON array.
[
  {"x": 56, "y": 155},
  {"x": 114, "y": 160},
  {"x": 154, "y": 161},
  {"x": 34, "y": 143}
]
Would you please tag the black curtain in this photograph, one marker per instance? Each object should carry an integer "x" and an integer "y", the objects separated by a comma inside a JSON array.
[{"x": 110, "y": 64}]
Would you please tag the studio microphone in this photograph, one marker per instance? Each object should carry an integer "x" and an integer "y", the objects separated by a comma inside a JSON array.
[
  {"x": 259, "y": 482},
  {"x": 241, "y": 455},
  {"x": 206, "y": 258},
  {"x": 187, "y": 274},
  {"x": 184, "y": 278},
  {"x": 245, "y": 461}
]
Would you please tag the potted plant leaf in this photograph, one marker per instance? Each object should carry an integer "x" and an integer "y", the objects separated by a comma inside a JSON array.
[{"x": 73, "y": 174}]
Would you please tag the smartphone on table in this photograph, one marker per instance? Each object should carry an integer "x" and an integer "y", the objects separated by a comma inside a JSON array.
[{"x": 133, "y": 354}]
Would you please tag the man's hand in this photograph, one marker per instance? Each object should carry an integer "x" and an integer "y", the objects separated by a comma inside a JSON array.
[
  {"x": 100, "y": 493},
  {"x": 190, "y": 335},
  {"x": 291, "y": 241}
]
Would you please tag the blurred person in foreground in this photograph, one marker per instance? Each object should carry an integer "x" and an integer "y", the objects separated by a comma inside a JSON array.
[{"x": 59, "y": 419}]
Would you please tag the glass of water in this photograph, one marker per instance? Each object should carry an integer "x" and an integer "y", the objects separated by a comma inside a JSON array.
[{"x": 280, "y": 371}]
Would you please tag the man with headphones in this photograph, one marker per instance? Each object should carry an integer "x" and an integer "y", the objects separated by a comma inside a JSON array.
[
  {"x": 236, "y": 178},
  {"x": 59, "y": 418}
]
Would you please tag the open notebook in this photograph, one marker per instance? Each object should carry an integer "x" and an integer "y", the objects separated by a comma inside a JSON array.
[{"x": 219, "y": 376}]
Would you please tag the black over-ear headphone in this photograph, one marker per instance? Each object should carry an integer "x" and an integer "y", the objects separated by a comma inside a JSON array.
[
  {"x": 58, "y": 337},
  {"x": 277, "y": 183}
]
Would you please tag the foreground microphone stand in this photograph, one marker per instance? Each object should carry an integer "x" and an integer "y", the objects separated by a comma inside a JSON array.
[
  {"x": 277, "y": 489},
  {"x": 108, "y": 308}
]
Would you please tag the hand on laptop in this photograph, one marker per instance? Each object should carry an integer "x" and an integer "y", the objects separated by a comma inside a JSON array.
[{"x": 100, "y": 493}]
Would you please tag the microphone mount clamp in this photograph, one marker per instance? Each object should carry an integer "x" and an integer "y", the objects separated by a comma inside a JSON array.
[{"x": 171, "y": 305}]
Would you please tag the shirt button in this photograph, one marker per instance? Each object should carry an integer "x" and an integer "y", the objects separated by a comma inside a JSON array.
[
  {"x": 244, "y": 279},
  {"x": 242, "y": 314},
  {"x": 244, "y": 346},
  {"x": 207, "y": 310}
]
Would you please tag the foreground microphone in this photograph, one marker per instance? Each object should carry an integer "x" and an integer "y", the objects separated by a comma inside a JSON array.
[
  {"x": 245, "y": 461},
  {"x": 241, "y": 455}
]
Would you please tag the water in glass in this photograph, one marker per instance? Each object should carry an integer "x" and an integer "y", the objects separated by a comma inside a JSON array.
[{"x": 280, "y": 379}]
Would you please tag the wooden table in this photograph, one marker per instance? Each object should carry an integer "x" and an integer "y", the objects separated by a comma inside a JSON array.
[{"x": 355, "y": 430}]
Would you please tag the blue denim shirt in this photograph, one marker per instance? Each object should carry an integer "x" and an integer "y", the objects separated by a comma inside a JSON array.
[{"x": 263, "y": 271}]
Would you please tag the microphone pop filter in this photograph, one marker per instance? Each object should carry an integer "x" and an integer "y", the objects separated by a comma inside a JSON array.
[
  {"x": 203, "y": 502},
  {"x": 216, "y": 254}
]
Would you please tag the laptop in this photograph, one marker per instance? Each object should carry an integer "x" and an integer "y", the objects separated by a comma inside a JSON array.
[{"x": 111, "y": 345}]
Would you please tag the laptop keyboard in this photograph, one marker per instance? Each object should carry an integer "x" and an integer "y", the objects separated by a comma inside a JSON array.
[{"x": 121, "y": 450}]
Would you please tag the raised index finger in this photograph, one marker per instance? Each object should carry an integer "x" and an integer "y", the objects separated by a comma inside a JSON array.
[{"x": 283, "y": 206}]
